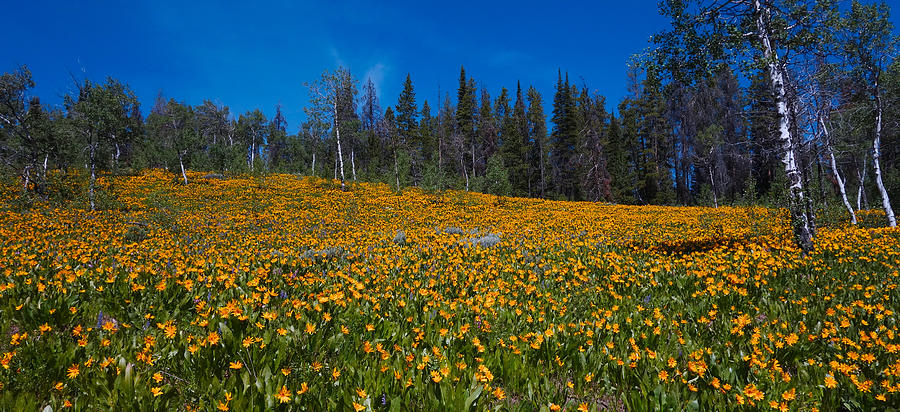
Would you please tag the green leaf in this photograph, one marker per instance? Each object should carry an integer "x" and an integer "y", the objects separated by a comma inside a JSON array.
[{"x": 473, "y": 395}]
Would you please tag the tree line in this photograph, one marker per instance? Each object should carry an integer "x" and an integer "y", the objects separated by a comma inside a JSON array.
[{"x": 739, "y": 101}]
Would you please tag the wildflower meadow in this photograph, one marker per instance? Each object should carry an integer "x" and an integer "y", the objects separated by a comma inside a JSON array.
[{"x": 285, "y": 293}]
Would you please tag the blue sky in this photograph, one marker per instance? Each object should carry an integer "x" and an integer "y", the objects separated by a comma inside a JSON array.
[{"x": 258, "y": 54}]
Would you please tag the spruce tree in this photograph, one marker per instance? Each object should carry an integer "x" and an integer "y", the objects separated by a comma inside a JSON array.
[
  {"x": 486, "y": 132},
  {"x": 277, "y": 146},
  {"x": 617, "y": 163},
  {"x": 407, "y": 128},
  {"x": 465, "y": 120},
  {"x": 538, "y": 145},
  {"x": 563, "y": 139},
  {"x": 515, "y": 146}
]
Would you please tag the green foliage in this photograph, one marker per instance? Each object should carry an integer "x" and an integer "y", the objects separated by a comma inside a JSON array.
[
  {"x": 750, "y": 193},
  {"x": 537, "y": 135},
  {"x": 617, "y": 163},
  {"x": 705, "y": 196},
  {"x": 777, "y": 196},
  {"x": 404, "y": 168},
  {"x": 406, "y": 116},
  {"x": 496, "y": 179},
  {"x": 433, "y": 178},
  {"x": 564, "y": 139}
]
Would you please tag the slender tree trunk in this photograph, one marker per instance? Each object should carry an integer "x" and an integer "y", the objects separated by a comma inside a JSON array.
[
  {"x": 44, "y": 170},
  {"x": 337, "y": 131},
  {"x": 836, "y": 172},
  {"x": 27, "y": 175},
  {"x": 876, "y": 156},
  {"x": 861, "y": 199},
  {"x": 801, "y": 221},
  {"x": 841, "y": 187},
  {"x": 181, "y": 163},
  {"x": 465, "y": 172},
  {"x": 712, "y": 183},
  {"x": 530, "y": 193},
  {"x": 252, "y": 154},
  {"x": 116, "y": 159},
  {"x": 353, "y": 163},
  {"x": 314, "y": 164}
]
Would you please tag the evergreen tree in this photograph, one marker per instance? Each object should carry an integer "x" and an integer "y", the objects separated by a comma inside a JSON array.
[
  {"x": 514, "y": 149},
  {"x": 370, "y": 115},
  {"x": 277, "y": 144},
  {"x": 655, "y": 182},
  {"x": 618, "y": 164},
  {"x": 465, "y": 119},
  {"x": 487, "y": 132},
  {"x": 537, "y": 135},
  {"x": 593, "y": 176},
  {"x": 497, "y": 176},
  {"x": 427, "y": 132},
  {"x": 400, "y": 158},
  {"x": 449, "y": 155},
  {"x": 408, "y": 127},
  {"x": 763, "y": 121},
  {"x": 632, "y": 144},
  {"x": 563, "y": 140}
]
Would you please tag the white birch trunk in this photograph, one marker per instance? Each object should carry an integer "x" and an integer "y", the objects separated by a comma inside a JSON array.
[
  {"x": 466, "y": 173},
  {"x": 314, "y": 164},
  {"x": 252, "y": 154},
  {"x": 836, "y": 172},
  {"x": 337, "y": 131},
  {"x": 860, "y": 192},
  {"x": 181, "y": 163},
  {"x": 800, "y": 219},
  {"x": 44, "y": 171},
  {"x": 27, "y": 173},
  {"x": 353, "y": 163},
  {"x": 876, "y": 155}
]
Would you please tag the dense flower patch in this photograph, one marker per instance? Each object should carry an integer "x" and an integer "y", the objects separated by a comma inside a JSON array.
[{"x": 282, "y": 292}]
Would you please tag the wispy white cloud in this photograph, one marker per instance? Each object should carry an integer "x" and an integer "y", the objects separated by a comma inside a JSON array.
[{"x": 377, "y": 73}]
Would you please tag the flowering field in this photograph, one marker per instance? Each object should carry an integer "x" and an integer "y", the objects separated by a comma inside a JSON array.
[{"x": 284, "y": 293}]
